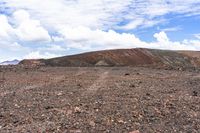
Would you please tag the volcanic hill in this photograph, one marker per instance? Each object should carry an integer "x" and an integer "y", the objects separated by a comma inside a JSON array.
[{"x": 124, "y": 57}]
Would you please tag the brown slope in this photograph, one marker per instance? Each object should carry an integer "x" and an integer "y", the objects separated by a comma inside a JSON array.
[
  {"x": 126, "y": 57},
  {"x": 194, "y": 55},
  {"x": 120, "y": 57}
]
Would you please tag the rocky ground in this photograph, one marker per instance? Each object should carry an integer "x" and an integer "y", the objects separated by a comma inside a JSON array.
[{"x": 99, "y": 100}]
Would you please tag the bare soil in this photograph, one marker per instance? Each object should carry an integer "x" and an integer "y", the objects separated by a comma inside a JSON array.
[{"x": 99, "y": 100}]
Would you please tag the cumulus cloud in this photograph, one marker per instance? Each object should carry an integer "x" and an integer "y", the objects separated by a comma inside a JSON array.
[
  {"x": 24, "y": 28},
  {"x": 20, "y": 16},
  {"x": 161, "y": 37},
  {"x": 163, "y": 42},
  {"x": 6, "y": 30},
  {"x": 7, "y": 38},
  {"x": 87, "y": 39},
  {"x": 29, "y": 29}
]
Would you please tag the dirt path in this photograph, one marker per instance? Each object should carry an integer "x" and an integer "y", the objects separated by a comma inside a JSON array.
[
  {"x": 80, "y": 72},
  {"x": 99, "y": 83}
]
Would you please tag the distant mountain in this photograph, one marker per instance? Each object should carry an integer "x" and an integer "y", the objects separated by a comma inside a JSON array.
[
  {"x": 13, "y": 62},
  {"x": 125, "y": 57}
]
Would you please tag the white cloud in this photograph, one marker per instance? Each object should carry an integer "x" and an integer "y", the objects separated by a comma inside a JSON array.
[
  {"x": 163, "y": 42},
  {"x": 29, "y": 29},
  {"x": 52, "y": 47},
  {"x": 197, "y": 36},
  {"x": 132, "y": 24},
  {"x": 104, "y": 14},
  {"x": 22, "y": 29},
  {"x": 85, "y": 38},
  {"x": 8, "y": 44},
  {"x": 25, "y": 29},
  {"x": 6, "y": 30},
  {"x": 161, "y": 37},
  {"x": 38, "y": 55},
  {"x": 20, "y": 16},
  {"x": 57, "y": 39},
  {"x": 11, "y": 50},
  {"x": 177, "y": 28},
  {"x": 89, "y": 13}
]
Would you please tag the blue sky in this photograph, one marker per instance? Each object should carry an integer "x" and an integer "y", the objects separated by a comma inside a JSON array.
[{"x": 49, "y": 28}]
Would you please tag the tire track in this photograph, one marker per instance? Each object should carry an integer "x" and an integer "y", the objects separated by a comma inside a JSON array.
[{"x": 99, "y": 83}]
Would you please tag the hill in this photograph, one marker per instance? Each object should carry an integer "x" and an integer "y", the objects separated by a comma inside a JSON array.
[
  {"x": 13, "y": 62},
  {"x": 124, "y": 57}
]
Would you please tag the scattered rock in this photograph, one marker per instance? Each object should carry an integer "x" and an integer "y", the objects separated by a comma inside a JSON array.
[
  {"x": 77, "y": 110},
  {"x": 127, "y": 74},
  {"x": 132, "y": 86},
  {"x": 79, "y": 85},
  {"x": 92, "y": 123},
  {"x": 75, "y": 131},
  {"x": 120, "y": 104},
  {"x": 194, "y": 93},
  {"x": 121, "y": 121},
  {"x": 48, "y": 107},
  {"x": 147, "y": 94},
  {"x": 180, "y": 69},
  {"x": 137, "y": 131},
  {"x": 59, "y": 94},
  {"x": 16, "y": 105}
]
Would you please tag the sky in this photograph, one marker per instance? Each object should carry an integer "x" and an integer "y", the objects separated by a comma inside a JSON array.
[{"x": 31, "y": 29}]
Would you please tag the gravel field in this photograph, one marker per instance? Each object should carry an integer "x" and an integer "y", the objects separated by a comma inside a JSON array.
[{"x": 99, "y": 100}]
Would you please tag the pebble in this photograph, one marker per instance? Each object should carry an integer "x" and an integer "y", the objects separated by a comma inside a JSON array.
[
  {"x": 137, "y": 131},
  {"x": 92, "y": 123},
  {"x": 77, "y": 110},
  {"x": 59, "y": 94}
]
